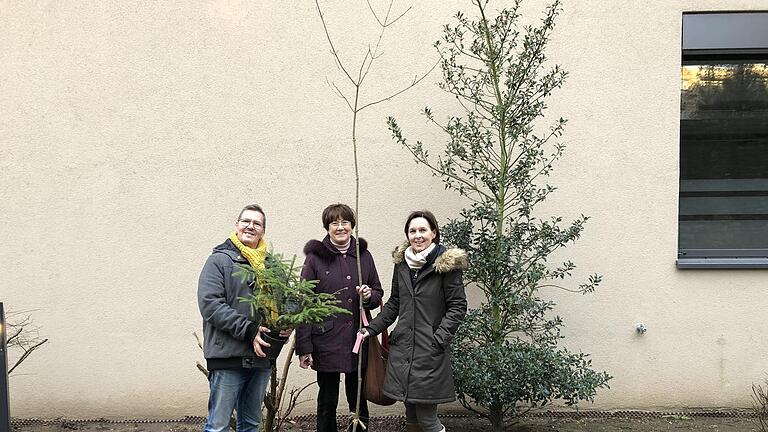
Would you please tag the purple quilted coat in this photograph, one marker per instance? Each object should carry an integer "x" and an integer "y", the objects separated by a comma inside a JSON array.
[{"x": 331, "y": 342}]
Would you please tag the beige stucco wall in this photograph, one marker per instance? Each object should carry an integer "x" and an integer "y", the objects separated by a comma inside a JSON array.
[{"x": 132, "y": 132}]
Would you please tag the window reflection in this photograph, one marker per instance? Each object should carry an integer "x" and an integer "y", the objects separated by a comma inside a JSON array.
[{"x": 724, "y": 156}]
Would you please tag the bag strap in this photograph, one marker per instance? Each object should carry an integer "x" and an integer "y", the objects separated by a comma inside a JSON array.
[{"x": 359, "y": 338}]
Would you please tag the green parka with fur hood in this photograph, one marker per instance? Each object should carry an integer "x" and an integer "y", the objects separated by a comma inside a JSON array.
[{"x": 429, "y": 308}]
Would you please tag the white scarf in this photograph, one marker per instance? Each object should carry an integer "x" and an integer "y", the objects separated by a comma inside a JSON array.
[{"x": 417, "y": 260}]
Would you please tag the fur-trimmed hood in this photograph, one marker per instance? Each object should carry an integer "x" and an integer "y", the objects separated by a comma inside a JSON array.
[
  {"x": 325, "y": 250},
  {"x": 447, "y": 260}
]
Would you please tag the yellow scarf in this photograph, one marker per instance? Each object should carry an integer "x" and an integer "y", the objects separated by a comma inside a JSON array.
[{"x": 255, "y": 257}]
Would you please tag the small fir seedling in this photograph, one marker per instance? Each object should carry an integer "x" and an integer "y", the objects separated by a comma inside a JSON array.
[
  {"x": 285, "y": 300},
  {"x": 283, "y": 297}
]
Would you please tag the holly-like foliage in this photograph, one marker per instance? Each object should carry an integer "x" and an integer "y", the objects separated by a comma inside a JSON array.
[
  {"x": 283, "y": 297},
  {"x": 507, "y": 358}
]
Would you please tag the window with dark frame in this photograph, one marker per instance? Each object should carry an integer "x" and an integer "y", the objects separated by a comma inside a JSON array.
[{"x": 723, "y": 214}]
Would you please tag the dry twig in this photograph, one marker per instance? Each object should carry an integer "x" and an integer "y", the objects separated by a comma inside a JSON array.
[
  {"x": 24, "y": 336},
  {"x": 760, "y": 404}
]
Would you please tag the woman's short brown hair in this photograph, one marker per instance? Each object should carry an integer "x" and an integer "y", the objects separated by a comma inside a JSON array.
[
  {"x": 426, "y": 214},
  {"x": 338, "y": 211}
]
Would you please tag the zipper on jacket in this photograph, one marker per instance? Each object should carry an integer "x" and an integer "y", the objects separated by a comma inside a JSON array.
[{"x": 413, "y": 339}]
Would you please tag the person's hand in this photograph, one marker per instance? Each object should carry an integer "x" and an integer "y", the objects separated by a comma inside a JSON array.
[
  {"x": 364, "y": 332},
  {"x": 364, "y": 292},
  {"x": 258, "y": 342},
  {"x": 305, "y": 361},
  {"x": 286, "y": 333}
]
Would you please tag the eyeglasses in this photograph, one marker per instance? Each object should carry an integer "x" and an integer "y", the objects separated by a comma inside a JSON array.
[
  {"x": 336, "y": 224},
  {"x": 245, "y": 223}
]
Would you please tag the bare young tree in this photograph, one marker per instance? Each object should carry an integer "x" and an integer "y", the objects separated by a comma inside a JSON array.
[
  {"x": 760, "y": 404},
  {"x": 356, "y": 77},
  {"x": 279, "y": 410}
]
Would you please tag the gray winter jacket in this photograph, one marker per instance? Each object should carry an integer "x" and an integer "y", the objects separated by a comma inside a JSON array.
[
  {"x": 429, "y": 306},
  {"x": 228, "y": 327}
]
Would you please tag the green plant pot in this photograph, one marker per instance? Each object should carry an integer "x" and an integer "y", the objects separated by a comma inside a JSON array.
[{"x": 276, "y": 343}]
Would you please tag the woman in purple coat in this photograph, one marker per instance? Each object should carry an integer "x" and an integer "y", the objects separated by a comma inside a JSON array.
[{"x": 327, "y": 347}]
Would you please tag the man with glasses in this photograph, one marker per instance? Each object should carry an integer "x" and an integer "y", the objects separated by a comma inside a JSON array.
[{"x": 238, "y": 371}]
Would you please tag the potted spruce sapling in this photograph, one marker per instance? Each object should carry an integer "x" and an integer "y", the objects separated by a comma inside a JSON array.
[{"x": 284, "y": 299}]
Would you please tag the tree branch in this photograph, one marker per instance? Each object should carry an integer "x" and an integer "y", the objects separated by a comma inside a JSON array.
[
  {"x": 27, "y": 352},
  {"x": 416, "y": 80},
  {"x": 339, "y": 93},
  {"x": 330, "y": 42}
]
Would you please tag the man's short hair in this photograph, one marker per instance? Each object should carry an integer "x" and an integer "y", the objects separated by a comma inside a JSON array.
[
  {"x": 254, "y": 207},
  {"x": 338, "y": 211}
]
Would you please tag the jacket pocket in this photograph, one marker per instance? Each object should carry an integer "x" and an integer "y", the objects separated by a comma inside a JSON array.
[
  {"x": 319, "y": 329},
  {"x": 393, "y": 338},
  {"x": 436, "y": 345}
]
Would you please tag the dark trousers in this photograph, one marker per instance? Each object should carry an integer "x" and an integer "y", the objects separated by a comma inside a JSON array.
[
  {"x": 424, "y": 415},
  {"x": 328, "y": 399}
]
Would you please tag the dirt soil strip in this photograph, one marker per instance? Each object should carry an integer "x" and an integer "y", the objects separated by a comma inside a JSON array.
[{"x": 675, "y": 423}]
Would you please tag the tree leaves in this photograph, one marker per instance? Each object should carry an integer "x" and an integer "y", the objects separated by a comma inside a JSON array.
[
  {"x": 506, "y": 352},
  {"x": 284, "y": 298}
]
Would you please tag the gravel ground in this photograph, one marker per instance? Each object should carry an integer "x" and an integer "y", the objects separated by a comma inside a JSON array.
[{"x": 452, "y": 423}]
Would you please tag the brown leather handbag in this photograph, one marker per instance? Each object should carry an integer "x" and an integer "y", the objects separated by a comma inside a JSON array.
[{"x": 376, "y": 370}]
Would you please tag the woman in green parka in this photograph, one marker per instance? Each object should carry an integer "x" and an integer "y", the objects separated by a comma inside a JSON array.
[{"x": 429, "y": 303}]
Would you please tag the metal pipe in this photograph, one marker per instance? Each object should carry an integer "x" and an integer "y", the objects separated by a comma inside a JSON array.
[{"x": 5, "y": 406}]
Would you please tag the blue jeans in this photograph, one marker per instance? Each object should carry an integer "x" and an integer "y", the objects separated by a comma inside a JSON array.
[{"x": 243, "y": 389}]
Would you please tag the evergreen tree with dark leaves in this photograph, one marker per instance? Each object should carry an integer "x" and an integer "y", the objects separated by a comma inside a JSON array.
[{"x": 507, "y": 359}]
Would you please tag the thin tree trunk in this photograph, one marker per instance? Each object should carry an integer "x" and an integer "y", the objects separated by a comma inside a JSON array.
[
  {"x": 356, "y": 420},
  {"x": 270, "y": 402}
]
